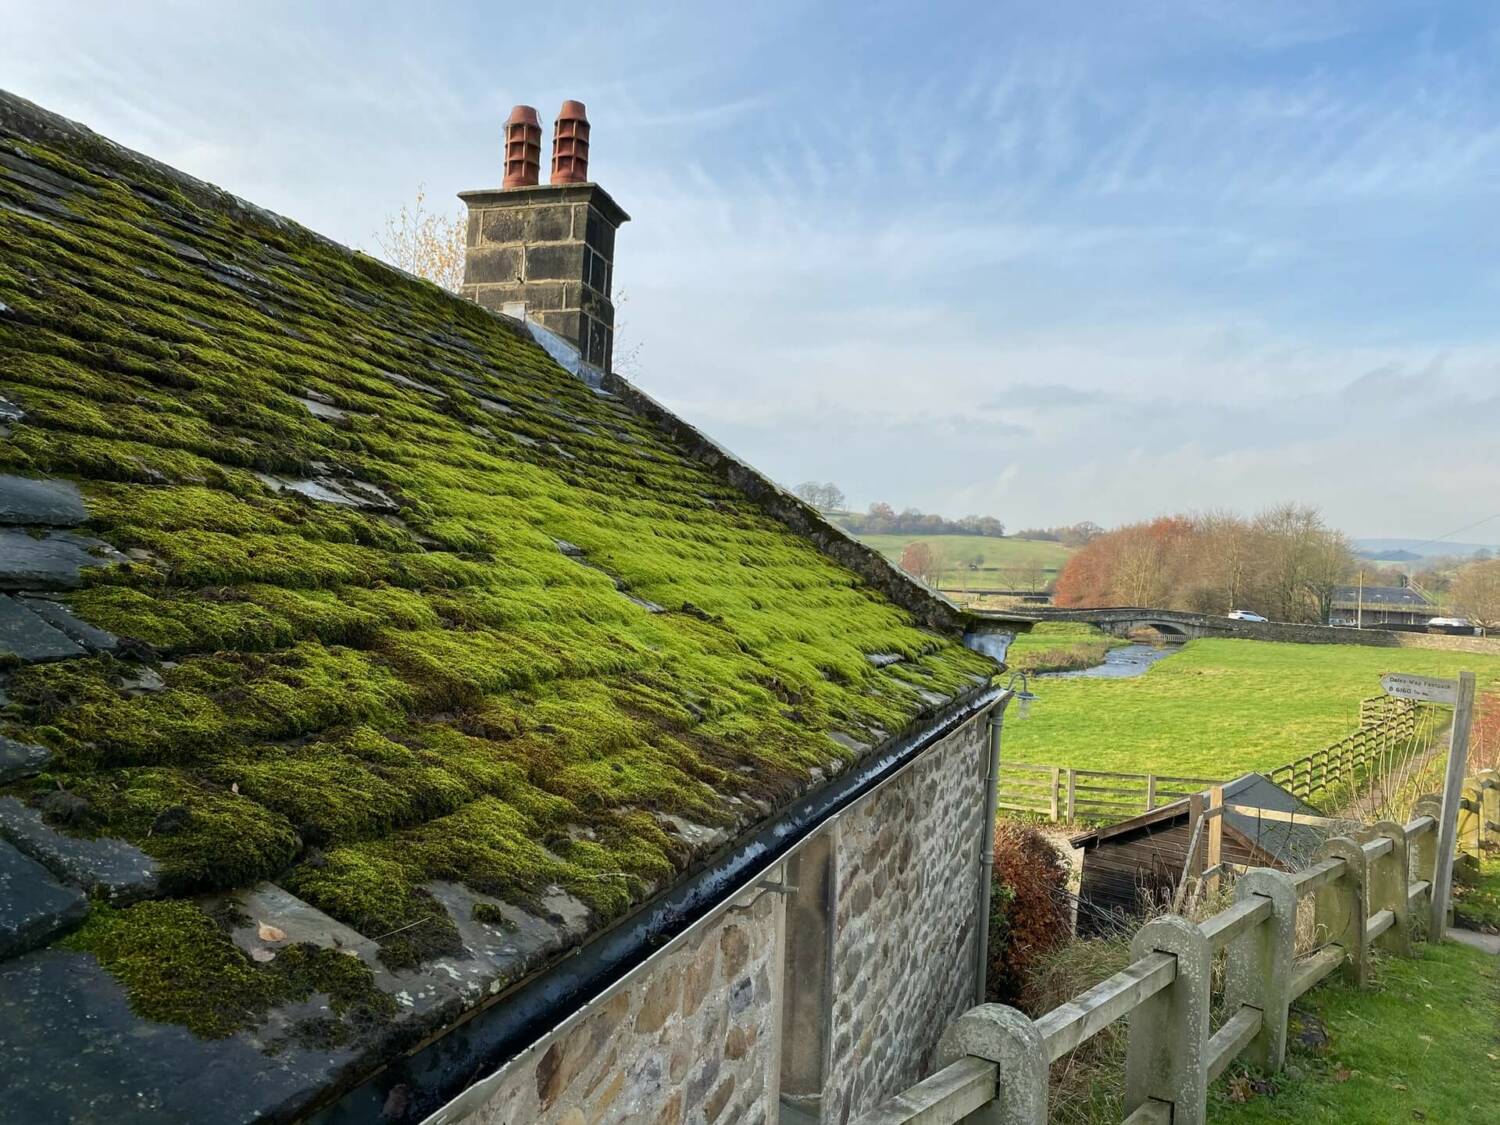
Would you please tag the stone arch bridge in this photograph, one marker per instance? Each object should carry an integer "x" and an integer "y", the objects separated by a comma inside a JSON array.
[{"x": 1178, "y": 625}]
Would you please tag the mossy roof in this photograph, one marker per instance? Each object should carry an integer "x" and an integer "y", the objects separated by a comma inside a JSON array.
[{"x": 426, "y": 610}]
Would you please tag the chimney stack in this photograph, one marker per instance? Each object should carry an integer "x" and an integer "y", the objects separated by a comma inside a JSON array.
[
  {"x": 545, "y": 252},
  {"x": 523, "y": 147},
  {"x": 570, "y": 145}
]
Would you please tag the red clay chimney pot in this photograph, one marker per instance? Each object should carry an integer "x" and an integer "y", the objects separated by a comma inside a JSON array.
[
  {"x": 523, "y": 147},
  {"x": 570, "y": 145}
]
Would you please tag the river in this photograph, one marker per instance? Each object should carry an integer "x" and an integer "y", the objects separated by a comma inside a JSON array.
[{"x": 1119, "y": 663}]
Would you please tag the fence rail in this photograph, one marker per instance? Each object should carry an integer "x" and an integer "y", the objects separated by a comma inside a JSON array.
[
  {"x": 1387, "y": 727},
  {"x": 1363, "y": 898}
]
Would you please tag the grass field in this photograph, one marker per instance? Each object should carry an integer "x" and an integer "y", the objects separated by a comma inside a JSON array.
[
  {"x": 1008, "y": 563},
  {"x": 1420, "y": 1047},
  {"x": 1218, "y": 707}
]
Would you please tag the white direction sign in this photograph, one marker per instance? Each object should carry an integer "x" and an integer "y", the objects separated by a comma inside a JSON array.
[{"x": 1422, "y": 689}]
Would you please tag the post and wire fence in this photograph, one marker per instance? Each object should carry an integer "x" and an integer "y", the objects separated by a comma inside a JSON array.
[
  {"x": 1363, "y": 897},
  {"x": 1388, "y": 748},
  {"x": 1379, "y": 888}
]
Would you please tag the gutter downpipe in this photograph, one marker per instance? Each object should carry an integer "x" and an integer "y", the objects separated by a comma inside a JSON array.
[
  {"x": 436, "y": 1077},
  {"x": 987, "y": 849}
]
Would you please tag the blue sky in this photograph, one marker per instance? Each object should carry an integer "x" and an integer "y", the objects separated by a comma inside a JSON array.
[{"x": 1050, "y": 262}]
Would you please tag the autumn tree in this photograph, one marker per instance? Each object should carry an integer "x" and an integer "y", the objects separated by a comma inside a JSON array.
[
  {"x": 426, "y": 243},
  {"x": 1476, "y": 593},
  {"x": 918, "y": 560},
  {"x": 1285, "y": 563}
]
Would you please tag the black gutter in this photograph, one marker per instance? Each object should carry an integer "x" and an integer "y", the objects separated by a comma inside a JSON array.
[{"x": 437, "y": 1073}]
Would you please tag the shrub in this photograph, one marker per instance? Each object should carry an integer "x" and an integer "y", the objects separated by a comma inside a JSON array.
[{"x": 1029, "y": 909}]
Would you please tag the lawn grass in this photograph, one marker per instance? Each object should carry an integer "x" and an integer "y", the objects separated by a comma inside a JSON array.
[
  {"x": 1008, "y": 563},
  {"x": 1421, "y": 1046},
  {"x": 1219, "y": 707}
]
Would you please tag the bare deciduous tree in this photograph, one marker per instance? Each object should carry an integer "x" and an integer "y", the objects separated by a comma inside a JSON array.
[
  {"x": 1286, "y": 563},
  {"x": 1476, "y": 593},
  {"x": 826, "y": 497},
  {"x": 425, "y": 243}
]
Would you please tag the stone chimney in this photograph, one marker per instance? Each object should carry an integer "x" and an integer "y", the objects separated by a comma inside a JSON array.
[{"x": 547, "y": 252}]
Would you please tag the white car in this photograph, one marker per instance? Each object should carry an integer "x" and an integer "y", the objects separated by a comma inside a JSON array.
[{"x": 1244, "y": 615}]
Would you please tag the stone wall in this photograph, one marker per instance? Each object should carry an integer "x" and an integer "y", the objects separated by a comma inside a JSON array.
[
  {"x": 550, "y": 247},
  {"x": 904, "y": 956},
  {"x": 697, "y": 1040},
  {"x": 693, "y": 1041}
]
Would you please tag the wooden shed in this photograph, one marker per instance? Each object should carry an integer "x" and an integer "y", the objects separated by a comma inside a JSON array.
[{"x": 1133, "y": 867}]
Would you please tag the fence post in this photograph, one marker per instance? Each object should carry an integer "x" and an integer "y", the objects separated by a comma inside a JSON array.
[
  {"x": 1166, "y": 1054},
  {"x": 1052, "y": 799},
  {"x": 1489, "y": 804},
  {"x": 1150, "y": 791},
  {"x": 1011, "y": 1041},
  {"x": 1458, "y": 759},
  {"x": 1388, "y": 882},
  {"x": 1072, "y": 795},
  {"x": 1470, "y": 835},
  {"x": 1340, "y": 908},
  {"x": 1215, "y": 834},
  {"x": 1424, "y": 847},
  {"x": 1193, "y": 867},
  {"x": 1260, "y": 964}
]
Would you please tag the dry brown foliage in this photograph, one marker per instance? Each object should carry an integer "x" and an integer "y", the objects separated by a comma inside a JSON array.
[
  {"x": 425, "y": 243},
  {"x": 1037, "y": 917}
]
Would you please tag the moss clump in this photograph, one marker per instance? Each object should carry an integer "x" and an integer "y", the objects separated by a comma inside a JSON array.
[
  {"x": 491, "y": 915},
  {"x": 376, "y": 897},
  {"x": 178, "y": 966}
]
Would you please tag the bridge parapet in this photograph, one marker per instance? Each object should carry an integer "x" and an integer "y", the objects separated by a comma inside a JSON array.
[{"x": 1121, "y": 620}]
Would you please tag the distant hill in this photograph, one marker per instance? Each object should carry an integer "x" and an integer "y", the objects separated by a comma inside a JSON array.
[{"x": 1409, "y": 550}]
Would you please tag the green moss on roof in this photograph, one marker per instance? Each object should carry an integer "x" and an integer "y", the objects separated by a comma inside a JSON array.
[
  {"x": 357, "y": 701},
  {"x": 180, "y": 967}
]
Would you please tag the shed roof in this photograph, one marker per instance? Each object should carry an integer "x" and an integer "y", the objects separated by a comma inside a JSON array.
[
  {"x": 1376, "y": 597},
  {"x": 1283, "y": 841},
  {"x": 359, "y": 661}
]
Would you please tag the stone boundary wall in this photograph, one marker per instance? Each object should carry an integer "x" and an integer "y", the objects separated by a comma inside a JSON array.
[
  {"x": 693, "y": 1041},
  {"x": 1484, "y": 646},
  {"x": 903, "y": 966},
  {"x": 930, "y": 608}
]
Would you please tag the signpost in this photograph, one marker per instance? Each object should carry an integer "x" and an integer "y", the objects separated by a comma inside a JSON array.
[
  {"x": 1420, "y": 689},
  {"x": 1460, "y": 695}
]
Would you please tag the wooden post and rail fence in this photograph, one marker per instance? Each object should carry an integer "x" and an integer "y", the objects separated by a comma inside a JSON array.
[
  {"x": 1373, "y": 890},
  {"x": 1060, "y": 793}
]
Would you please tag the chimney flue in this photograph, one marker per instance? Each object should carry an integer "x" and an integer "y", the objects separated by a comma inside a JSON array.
[
  {"x": 523, "y": 147},
  {"x": 570, "y": 145},
  {"x": 546, "y": 252}
]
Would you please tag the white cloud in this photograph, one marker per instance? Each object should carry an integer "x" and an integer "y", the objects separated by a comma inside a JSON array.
[{"x": 1171, "y": 255}]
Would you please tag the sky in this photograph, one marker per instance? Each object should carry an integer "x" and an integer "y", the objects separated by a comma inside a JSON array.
[{"x": 1049, "y": 262}]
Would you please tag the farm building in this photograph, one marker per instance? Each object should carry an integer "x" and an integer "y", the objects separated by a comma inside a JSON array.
[
  {"x": 1380, "y": 605},
  {"x": 403, "y": 718},
  {"x": 1133, "y": 867}
]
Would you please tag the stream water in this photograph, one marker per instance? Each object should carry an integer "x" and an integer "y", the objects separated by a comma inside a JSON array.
[{"x": 1119, "y": 663}]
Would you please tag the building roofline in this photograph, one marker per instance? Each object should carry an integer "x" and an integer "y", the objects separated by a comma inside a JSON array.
[{"x": 436, "y": 1075}]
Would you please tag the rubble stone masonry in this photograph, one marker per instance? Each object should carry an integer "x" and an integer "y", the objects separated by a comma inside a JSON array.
[
  {"x": 696, "y": 1040},
  {"x": 904, "y": 956},
  {"x": 691, "y": 1043}
]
